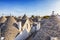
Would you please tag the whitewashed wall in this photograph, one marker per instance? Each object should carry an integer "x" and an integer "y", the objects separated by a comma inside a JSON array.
[
  {"x": 23, "y": 35},
  {"x": 19, "y": 25},
  {"x": 38, "y": 26},
  {"x": 54, "y": 38},
  {"x": 25, "y": 32},
  {"x": 2, "y": 38}
]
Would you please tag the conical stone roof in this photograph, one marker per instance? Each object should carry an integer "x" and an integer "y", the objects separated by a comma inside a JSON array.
[
  {"x": 10, "y": 33},
  {"x": 51, "y": 28},
  {"x": 10, "y": 30},
  {"x": 10, "y": 21},
  {"x": 3, "y": 19}
]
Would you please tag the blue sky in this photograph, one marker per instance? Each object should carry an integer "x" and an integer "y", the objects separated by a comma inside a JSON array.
[{"x": 29, "y": 7}]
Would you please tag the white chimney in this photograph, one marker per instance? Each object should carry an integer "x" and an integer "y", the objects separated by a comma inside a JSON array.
[
  {"x": 38, "y": 26},
  {"x": 54, "y": 38}
]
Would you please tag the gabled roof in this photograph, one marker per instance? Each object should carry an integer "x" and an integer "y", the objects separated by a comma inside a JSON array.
[{"x": 24, "y": 21}]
